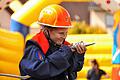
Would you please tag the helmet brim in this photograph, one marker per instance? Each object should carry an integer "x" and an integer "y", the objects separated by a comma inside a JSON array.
[{"x": 53, "y": 25}]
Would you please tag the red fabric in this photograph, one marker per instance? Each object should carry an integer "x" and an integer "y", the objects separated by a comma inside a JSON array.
[
  {"x": 115, "y": 73},
  {"x": 66, "y": 43},
  {"x": 42, "y": 41}
]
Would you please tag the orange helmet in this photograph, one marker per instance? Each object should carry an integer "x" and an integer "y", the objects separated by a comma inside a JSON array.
[{"x": 55, "y": 16}]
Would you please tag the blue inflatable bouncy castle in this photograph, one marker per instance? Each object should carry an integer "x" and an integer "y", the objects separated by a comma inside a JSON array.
[
  {"x": 116, "y": 36},
  {"x": 116, "y": 47}
]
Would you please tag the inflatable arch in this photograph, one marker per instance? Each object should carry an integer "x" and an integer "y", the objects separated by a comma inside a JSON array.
[{"x": 22, "y": 19}]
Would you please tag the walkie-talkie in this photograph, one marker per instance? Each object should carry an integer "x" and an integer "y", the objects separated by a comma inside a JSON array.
[
  {"x": 86, "y": 44},
  {"x": 89, "y": 44}
]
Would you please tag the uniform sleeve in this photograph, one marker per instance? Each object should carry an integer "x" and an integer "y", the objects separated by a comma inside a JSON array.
[
  {"x": 102, "y": 72},
  {"x": 35, "y": 64},
  {"x": 78, "y": 61}
]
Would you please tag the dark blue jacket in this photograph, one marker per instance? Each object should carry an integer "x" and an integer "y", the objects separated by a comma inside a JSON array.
[{"x": 43, "y": 60}]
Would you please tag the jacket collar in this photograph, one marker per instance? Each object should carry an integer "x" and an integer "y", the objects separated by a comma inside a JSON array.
[{"x": 43, "y": 42}]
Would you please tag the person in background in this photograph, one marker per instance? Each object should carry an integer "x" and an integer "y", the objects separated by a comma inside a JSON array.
[
  {"x": 47, "y": 55},
  {"x": 95, "y": 73}
]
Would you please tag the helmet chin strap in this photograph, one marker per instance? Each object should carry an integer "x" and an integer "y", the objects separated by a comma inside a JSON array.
[{"x": 47, "y": 34}]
